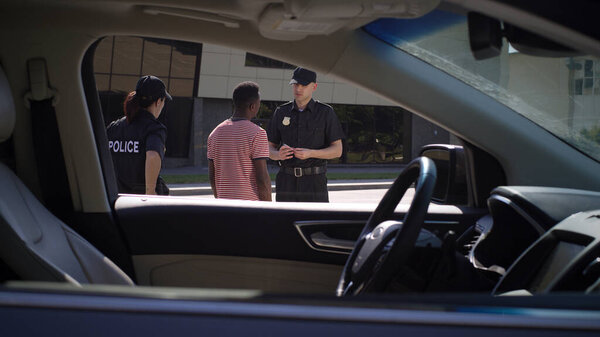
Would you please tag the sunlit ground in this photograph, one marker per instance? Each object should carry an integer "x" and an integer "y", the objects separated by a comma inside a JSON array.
[
  {"x": 366, "y": 196},
  {"x": 355, "y": 196}
]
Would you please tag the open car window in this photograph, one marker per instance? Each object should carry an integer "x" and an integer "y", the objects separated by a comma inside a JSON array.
[{"x": 380, "y": 137}]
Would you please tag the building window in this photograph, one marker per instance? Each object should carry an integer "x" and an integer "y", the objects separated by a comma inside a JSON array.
[
  {"x": 586, "y": 76},
  {"x": 253, "y": 60},
  {"x": 374, "y": 134},
  {"x": 121, "y": 60}
]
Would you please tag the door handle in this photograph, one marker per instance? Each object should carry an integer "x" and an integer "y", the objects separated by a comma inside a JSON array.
[
  {"x": 313, "y": 234},
  {"x": 322, "y": 240}
]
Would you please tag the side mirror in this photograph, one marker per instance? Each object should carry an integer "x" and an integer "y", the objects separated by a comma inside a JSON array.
[{"x": 451, "y": 186}]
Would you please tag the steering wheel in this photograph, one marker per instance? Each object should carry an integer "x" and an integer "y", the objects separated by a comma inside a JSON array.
[{"x": 371, "y": 265}]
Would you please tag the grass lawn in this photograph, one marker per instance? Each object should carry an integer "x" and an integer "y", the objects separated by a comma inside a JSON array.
[{"x": 203, "y": 178}]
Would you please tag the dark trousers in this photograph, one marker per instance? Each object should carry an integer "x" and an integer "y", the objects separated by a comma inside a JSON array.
[{"x": 311, "y": 188}]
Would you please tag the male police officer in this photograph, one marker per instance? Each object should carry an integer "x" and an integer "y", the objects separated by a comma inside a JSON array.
[{"x": 303, "y": 134}]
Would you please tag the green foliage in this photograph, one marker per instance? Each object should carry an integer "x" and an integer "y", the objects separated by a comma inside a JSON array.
[
  {"x": 592, "y": 134},
  {"x": 266, "y": 109},
  {"x": 374, "y": 134}
]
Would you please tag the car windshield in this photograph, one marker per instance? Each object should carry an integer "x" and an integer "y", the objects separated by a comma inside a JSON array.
[{"x": 560, "y": 94}]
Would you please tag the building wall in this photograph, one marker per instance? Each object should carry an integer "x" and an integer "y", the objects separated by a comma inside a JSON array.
[
  {"x": 201, "y": 78},
  {"x": 543, "y": 83},
  {"x": 212, "y": 112},
  {"x": 557, "y": 92},
  {"x": 223, "y": 68}
]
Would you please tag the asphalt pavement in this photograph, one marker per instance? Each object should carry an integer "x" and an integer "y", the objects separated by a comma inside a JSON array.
[{"x": 333, "y": 185}]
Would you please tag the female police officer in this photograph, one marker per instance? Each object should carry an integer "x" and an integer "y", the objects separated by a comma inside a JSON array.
[{"x": 137, "y": 140}]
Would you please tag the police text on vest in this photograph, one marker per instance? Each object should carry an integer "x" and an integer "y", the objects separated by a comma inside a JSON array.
[{"x": 128, "y": 146}]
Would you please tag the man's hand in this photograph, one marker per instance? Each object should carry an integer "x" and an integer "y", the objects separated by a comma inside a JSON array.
[
  {"x": 334, "y": 150},
  {"x": 282, "y": 153},
  {"x": 285, "y": 152},
  {"x": 302, "y": 153}
]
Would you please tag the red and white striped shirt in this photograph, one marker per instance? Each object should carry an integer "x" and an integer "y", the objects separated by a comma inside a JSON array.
[{"x": 232, "y": 146}]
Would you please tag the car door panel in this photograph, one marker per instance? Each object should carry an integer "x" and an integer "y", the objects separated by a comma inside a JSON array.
[
  {"x": 198, "y": 242},
  {"x": 212, "y": 271}
]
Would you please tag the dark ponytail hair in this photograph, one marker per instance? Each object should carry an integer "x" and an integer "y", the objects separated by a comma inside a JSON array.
[{"x": 133, "y": 104}]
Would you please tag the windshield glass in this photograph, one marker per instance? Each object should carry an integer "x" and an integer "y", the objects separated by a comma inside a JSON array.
[{"x": 562, "y": 95}]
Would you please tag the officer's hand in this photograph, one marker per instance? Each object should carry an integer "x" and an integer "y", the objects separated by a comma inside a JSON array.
[
  {"x": 302, "y": 154},
  {"x": 285, "y": 152}
]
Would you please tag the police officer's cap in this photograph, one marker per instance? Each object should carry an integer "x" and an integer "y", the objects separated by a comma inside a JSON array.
[
  {"x": 151, "y": 88},
  {"x": 303, "y": 76}
]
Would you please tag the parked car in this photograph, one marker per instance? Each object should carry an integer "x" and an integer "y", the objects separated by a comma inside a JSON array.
[{"x": 502, "y": 235}]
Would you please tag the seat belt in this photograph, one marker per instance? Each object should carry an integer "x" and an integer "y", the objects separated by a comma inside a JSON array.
[{"x": 50, "y": 162}]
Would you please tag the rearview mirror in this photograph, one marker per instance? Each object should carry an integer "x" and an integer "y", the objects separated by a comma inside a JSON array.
[
  {"x": 486, "y": 38},
  {"x": 451, "y": 184}
]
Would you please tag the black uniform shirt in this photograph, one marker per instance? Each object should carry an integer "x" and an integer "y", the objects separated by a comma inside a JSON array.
[
  {"x": 128, "y": 143},
  {"x": 316, "y": 127}
]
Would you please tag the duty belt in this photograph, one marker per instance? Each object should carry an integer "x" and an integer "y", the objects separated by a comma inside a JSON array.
[{"x": 304, "y": 171}]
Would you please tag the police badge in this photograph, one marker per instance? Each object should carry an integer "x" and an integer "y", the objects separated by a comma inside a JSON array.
[{"x": 285, "y": 121}]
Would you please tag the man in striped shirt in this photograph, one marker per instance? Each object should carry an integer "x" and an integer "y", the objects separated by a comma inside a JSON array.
[{"x": 238, "y": 150}]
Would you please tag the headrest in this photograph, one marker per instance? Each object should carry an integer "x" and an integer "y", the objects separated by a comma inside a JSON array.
[{"x": 7, "y": 108}]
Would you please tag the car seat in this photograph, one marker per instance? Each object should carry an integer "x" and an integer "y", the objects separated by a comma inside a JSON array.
[{"x": 34, "y": 243}]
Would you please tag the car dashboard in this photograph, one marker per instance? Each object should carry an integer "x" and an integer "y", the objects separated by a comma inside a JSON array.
[{"x": 539, "y": 239}]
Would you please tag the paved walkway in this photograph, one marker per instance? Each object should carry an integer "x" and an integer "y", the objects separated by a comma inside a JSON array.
[
  {"x": 333, "y": 185},
  {"x": 341, "y": 168}
]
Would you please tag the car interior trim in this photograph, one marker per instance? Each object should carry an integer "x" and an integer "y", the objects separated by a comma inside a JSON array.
[
  {"x": 470, "y": 316},
  {"x": 538, "y": 228},
  {"x": 320, "y": 241}
]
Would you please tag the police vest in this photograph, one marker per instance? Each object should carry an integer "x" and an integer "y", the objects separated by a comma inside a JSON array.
[{"x": 128, "y": 143}]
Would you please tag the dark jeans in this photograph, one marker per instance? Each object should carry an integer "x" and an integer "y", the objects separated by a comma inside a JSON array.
[{"x": 312, "y": 188}]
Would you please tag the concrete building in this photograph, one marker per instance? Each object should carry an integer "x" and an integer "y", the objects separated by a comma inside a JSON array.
[{"x": 201, "y": 78}]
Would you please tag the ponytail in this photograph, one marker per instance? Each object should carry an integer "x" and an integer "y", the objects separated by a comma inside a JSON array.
[
  {"x": 131, "y": 106},
  {"x": 133, "y": 103}
]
